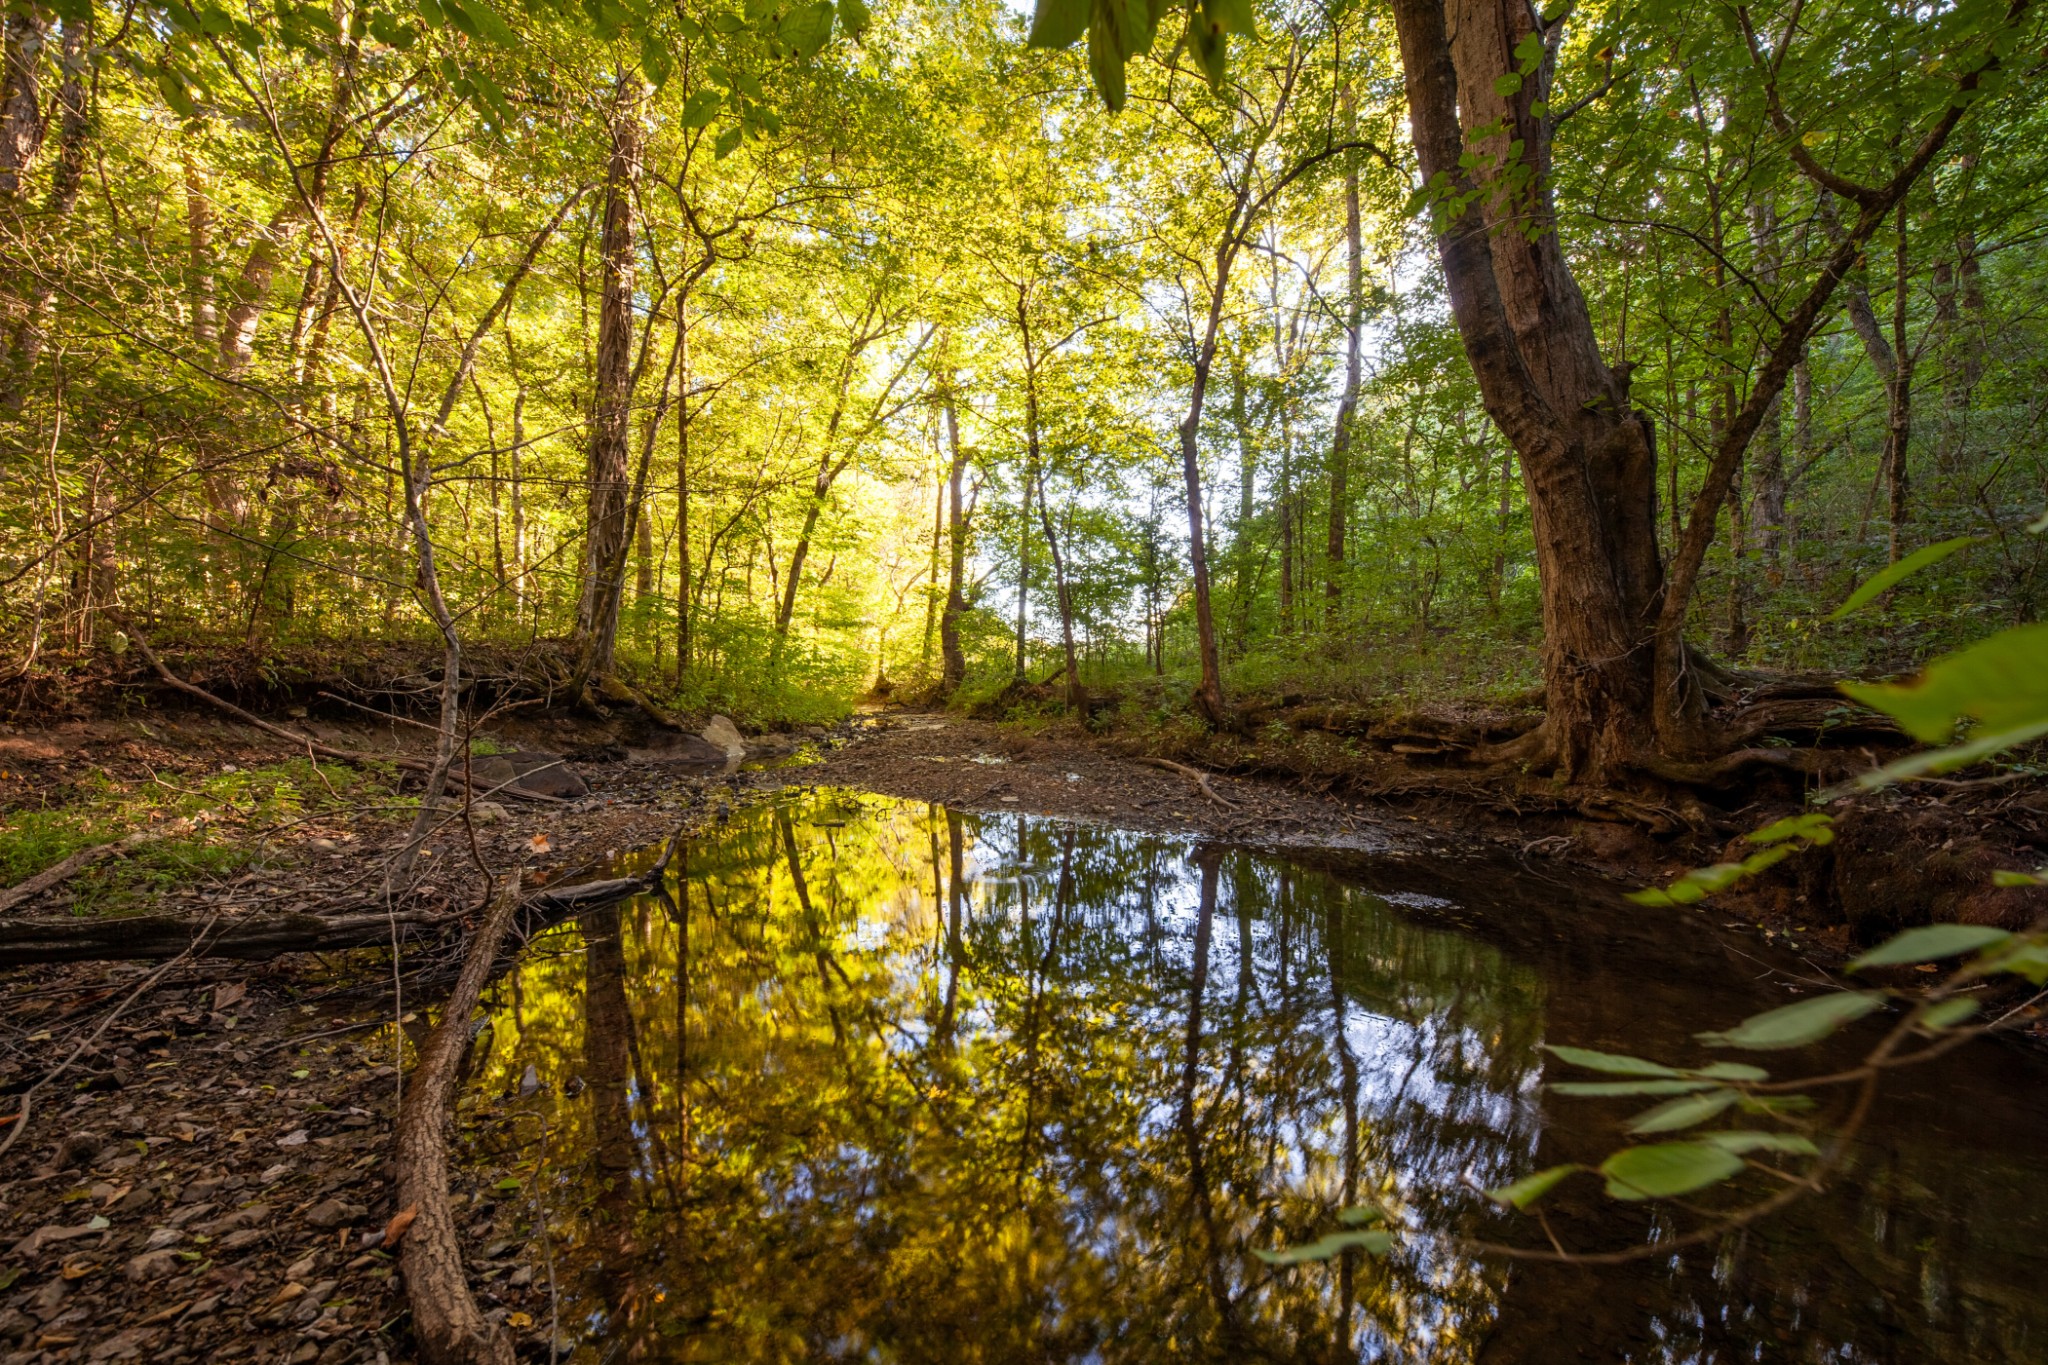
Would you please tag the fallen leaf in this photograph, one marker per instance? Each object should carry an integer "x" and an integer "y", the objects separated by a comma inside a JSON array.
[
  {"x": 77, "y": 1269},
  {"x": 539, "y": 843},
  {"x": 166, "y": 1315},
  {"x": 400, "y": 1221},
  {"x": 295, "y": 1138},
  {"x": 229, "y": 994},
  {"x": 519, "y": 1320}
]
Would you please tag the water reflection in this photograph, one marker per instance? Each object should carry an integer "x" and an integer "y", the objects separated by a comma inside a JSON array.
[{"x": 883, "y": 1081}]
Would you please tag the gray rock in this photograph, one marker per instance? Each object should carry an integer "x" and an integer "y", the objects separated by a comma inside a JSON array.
[
  {"x": 723, "y": 733},
  {"x": 536, "y": 773},
  {"x": 332, "y": 1213},
  {"x": 151, "y": 1265}
]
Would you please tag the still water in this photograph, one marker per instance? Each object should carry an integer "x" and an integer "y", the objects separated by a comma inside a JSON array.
[{"x": 883, "y": 1081}]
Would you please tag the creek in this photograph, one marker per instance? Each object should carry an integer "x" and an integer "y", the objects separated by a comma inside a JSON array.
[{"x": 879, "y": 1080}]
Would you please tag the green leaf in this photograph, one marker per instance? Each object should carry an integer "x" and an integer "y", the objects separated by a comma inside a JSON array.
[
  {"x": 1813, "y": 827},
  {"x": 701, "y": 108},
  {"x": 1106, "y": 66},
  {"x": 2000, "y": 682},
  {"x": 1740, "y": 1142},
  {"x": 1732, "y": 1071},
  {"x": 1929, "y": 943},
  {"x": 807, "y": 28},
  {"x": 431, "y": 11},
  {"x": 1507, "y": 85},
  {"x": 2026, "y": 957},
  {"x": 1597, "y": 1089},
  {"x": 1948, "y": 1014},
  {"x": 1809, "y": 1021},
  {"x": 727, "y": 23},
  {"x": 1531, "y": 1188},
  {"x": 1667, "y": 1168},
  {"x": 1361, "y": 1215},
  {"x": 1529, "y": 52},
  {"x": 855, "y": 18},
  {"x": 1614, "y": 1063},
  {"x": 1232, "y": 16},
  {"x": 688, "y": 29},
  {"x": 727, "y": 141},
  {"x": 1683, "y": 1112},
  {"x": 1058, "y": 23},
  {"x": 655, "y": 60},
  {"x": 508, "y": 1184},
  {"x": 1893, "y": 574},
  {"x": 2007, "y": 877},
  {"x": 1374, "y": 1241}
]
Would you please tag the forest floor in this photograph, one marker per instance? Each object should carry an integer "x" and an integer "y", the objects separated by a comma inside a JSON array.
[{"x": 202, "y": 1174}]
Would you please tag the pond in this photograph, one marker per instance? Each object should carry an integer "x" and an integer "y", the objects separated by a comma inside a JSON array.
[{"x": 884, "y": 1081}]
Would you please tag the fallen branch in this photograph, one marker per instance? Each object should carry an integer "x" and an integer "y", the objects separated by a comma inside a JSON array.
[
  {"x": 58, "y": 874},
  {"x": 446, "y": 1322},
  {"x": 257, "y": 938},
  {"x": 305, "y": 741},
  {"x": 1194, "y": 775}
]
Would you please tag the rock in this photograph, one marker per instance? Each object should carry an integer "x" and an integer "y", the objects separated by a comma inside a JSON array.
[
  {"x": 122, "y": 1345},
  {"x": 309, "y": 1304},
  {"x": 151, "y": 1265},
  {"x": 488, "y": 813},
  {"x": 163, "y": 1237},
  {"x": 77, "y": 1150},
  {"x": 536, "y": 773},
  {"x": 295, "y": 1138},
  {"x": 243, "y": 1237},
  {"x": 725, "y": 735},
  {"x": 332, "y": 1213}
]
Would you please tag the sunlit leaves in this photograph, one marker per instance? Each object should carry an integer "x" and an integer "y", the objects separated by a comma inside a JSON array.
[
  {"x": 1892, "y": 575},
  {"x": 1685, "y": 1112},
  {"x": 701, "y": 108},
  {"x": 1796, "y": 1025},
  {"x": 807, "y": 28}
]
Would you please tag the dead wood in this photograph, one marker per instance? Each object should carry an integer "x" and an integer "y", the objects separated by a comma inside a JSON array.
[
  {"x": 58, "y": 874},
  {"x": 447, "y": 1324},
  {"x": 1194, "y": 775},
  {"x": 257, "y": 938}
]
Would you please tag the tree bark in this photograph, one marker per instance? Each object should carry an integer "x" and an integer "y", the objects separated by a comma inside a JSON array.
[
  {"x": 1076, "y": 697},
  {"x": 1347, "y": 404},
  {"x": 606, "y": 476},
  {"x": 953, "y": 666}
]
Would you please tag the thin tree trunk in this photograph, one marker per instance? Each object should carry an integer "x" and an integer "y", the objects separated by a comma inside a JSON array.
[
  {"x": 1076, "y": 698},
  {"x": 953, "y": 668}
]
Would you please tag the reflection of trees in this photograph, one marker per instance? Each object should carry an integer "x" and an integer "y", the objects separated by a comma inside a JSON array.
[{"x": 1008, "y": 1090}]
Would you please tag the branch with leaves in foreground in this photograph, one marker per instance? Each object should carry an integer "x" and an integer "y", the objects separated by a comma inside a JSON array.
[{"x": 1714, "y": 1123}]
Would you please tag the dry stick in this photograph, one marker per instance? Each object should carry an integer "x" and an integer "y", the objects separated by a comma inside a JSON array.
[
  {"x": 21, "y": 1116},
  {"x": 1194, "y": 775},
  {"x": 450, "y": 1328},
  {"x": 81, "y": 860}
]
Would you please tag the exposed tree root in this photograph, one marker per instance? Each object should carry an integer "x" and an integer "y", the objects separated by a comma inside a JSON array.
[
  {"x": 1194, "y": 775},
  {"x": 446, "y": 1322},
  {"x": 256, "y": 938}
]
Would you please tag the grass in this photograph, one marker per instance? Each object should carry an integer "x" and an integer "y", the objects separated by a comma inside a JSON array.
[{"x": 236, "y": 804}]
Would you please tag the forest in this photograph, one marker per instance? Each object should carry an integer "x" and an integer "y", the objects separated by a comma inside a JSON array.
[{"x": 1115, "y": 663}]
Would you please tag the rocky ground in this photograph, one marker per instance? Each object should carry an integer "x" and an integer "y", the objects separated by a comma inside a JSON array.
[{"x": 202, "y": 1170}]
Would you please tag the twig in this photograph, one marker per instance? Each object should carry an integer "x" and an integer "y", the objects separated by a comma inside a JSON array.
[
  {"x": 21, "y": 1116},
  {"x": 1194, "y": 775}
]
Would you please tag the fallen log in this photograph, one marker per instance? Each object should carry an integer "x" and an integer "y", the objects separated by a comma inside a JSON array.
[
  {"x": 446, "y": 1321},
  {"x": 257, "y": 938}
]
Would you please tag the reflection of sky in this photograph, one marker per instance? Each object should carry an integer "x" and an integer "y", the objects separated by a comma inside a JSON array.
[{"x": 1050, "y": 1041}]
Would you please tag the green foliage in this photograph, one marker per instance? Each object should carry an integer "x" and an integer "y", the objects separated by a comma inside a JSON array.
[
  {"x": 1930, "y": 943},
  {"x": 1796, "y": 1025},
  {"x": 1667, "y": 1169}
]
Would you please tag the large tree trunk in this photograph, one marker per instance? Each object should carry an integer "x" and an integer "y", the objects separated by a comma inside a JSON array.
[
  {"x": 1347, "y": 405},
  {"x": 607, "y": 477},
  {"x": 1588, "y": 459}
]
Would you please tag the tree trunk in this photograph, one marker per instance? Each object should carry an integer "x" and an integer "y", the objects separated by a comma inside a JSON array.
[
  {"x": 1347, "y": 404},
  {"x": 953, "y": 667},
  {"x": 1899, "y": 396},
  {"x": 1076, "y": 698},
  {"x": 683, "y": 587},
  {"x": 73, "y": 127},
  {"x": 1588, "y": 459},
  {"x": 607, "y": 477}
]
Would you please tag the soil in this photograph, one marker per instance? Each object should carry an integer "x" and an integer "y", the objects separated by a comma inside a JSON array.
[{"x": 207, "y": 1179}]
